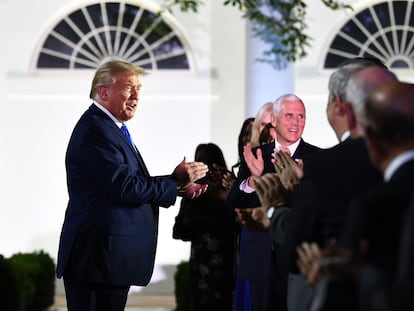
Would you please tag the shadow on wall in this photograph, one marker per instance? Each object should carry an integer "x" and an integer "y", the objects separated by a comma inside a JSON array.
[{"x": 162, "y": 282}]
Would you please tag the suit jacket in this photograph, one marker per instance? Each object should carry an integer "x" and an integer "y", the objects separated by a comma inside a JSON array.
[
  {"x": 332, "y": 178},
  {"x": 255, "y": 256},
  {"x": 109, "y": 234},
  {"x": 403, "y": 289},
  {"x": 378, "y": 217}
]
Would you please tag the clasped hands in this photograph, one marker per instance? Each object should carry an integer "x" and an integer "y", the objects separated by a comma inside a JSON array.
[{"x": 186, "y": 174}]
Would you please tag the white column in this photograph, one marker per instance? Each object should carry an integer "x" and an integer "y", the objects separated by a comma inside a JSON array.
[{"x": 263, "y": 82}]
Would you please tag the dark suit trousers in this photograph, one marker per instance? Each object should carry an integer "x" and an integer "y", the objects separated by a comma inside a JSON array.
[
  {"x": 269, "y": 295},
  {"x": 82, "y": 296}
]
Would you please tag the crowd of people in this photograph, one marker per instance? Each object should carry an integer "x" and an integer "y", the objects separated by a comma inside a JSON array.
[
  {"x": 341, "y": 228},
  {"x": 289, "y": 227}
]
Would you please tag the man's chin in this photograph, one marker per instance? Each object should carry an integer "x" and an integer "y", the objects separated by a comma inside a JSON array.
[{"x": 129, "y": 115}]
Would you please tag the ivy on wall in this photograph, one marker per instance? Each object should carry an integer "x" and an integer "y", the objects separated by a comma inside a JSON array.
[{"x": 281, "y": 24}]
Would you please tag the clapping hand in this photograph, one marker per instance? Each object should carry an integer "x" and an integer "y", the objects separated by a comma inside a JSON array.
[
  {"x": 188, "y": 172},
  {"x": 309, "y": 255},
  {"x": 228, "y": 180},
  {"x": 270, "y": 190},
  {"x": 314, "y": 262},
  {"x": 253, "y": 218},
  {"x": 223, "y": 176},
  {"x": 254, "y": 163},
  {"x": 192, "y": 191},
  {"x": 289, "y": 171}
]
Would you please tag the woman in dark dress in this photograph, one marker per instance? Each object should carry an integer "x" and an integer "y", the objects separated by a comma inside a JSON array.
[{"x": 210, "y": 230}]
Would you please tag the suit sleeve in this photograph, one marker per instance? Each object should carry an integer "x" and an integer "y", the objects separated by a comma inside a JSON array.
[
  {"x": 278, "y": 226},
  {"x": 302, "y": 220},
  {"x": 117, "y": 172}
]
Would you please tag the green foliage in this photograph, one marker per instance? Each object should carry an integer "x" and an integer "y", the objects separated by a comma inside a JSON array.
[
  {"x": 34, "y": 275},
  {"x": 279, "y": 23},
  {"x": 184, "y": 5},
  {"x": 9, "y": 299},
  {"x": 182, "y": 286}
]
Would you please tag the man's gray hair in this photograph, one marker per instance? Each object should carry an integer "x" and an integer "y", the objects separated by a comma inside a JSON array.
[
  {"x": 339, "y": 79},
  {"x": 278, "y": 103}
]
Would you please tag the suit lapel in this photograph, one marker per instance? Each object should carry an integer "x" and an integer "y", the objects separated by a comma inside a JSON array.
[
  {"x": 122, "y": 137},
  {"x": 133, "y": 148},
  {"x": 299, "y": 152}
]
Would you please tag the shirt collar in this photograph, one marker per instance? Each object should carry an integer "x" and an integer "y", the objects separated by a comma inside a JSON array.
[
  {"x": 106, "y": 111},
  {"x": 345, "y": 135},
  {"x": 292, "y": 148},
  {"x": 397, "y": 162}
]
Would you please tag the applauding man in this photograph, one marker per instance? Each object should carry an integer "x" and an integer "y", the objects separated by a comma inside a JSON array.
[{"x": 109, "y": 235}]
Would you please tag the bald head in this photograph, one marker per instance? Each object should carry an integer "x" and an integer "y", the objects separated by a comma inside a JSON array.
[
  {"x": 389, "y": 122},
  {"x": 389, "y": 113},
  {"x": 362, "y": 83}
]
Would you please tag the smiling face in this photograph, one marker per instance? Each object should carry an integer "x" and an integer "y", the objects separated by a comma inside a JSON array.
[
  {"x": 121, "y": 97},
  {"x": 290, "y": 122}
]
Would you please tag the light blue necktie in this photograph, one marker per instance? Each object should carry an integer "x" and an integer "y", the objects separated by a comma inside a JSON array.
[{"x": 125, "y": 131}]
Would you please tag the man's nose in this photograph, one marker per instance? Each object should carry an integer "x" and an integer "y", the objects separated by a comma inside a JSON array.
[
  {"x": 295, "y": 120},
  {"x": 134, "y": 93}
]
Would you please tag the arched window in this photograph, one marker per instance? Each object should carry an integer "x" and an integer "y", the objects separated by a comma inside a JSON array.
[
  {"x": 384, "y": 30},
  {"x": 87, "y": 36}
]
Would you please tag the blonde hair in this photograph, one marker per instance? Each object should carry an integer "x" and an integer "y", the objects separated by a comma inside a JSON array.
[
  {"x": 105, "y": 74},
  {"x": 265, "y": 110}
]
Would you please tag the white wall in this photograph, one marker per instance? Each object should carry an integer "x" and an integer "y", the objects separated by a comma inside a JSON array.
[{"x": 175, "y": 113}]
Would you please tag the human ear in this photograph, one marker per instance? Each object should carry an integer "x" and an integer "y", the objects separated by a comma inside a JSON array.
[
  {"x": 103, "y": 92},
  {"x": 350, "y": 115},
  {"x": 339, "y": 106}
]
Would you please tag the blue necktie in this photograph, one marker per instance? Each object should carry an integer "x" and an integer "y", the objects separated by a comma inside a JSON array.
[{"x": 125, "y": 131}]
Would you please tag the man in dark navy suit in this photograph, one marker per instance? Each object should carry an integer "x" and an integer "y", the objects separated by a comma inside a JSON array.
[
  {"x": 109, "y": 234},
  {"x": 261, "y": 262}
]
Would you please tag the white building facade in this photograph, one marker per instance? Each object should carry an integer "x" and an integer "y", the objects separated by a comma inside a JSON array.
[{"x": 203, "y": 82}]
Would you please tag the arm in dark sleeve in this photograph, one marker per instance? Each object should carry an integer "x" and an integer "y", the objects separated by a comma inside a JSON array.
[
  {"x": 278, "y": 226},
  {"x": 302, "y": 226}
]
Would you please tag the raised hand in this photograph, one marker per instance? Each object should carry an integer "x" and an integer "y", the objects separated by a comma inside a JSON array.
[
  {"x": 187, "y": 173},
  {"x": 314, "y": 263},
  {"x": 254, "y": 163},
  {"x": 270, "y": 190},
  {"x": 222, "y": 176},
  {"x": 309, "y": 255},
  {"x": 290, "y": 171}
]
